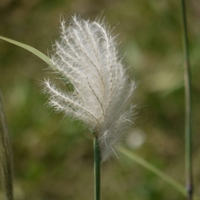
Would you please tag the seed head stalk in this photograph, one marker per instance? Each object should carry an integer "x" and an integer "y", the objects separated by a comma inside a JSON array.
[
  {"x": 97, "y": 169},
  {"x": 188, "y": 132}
]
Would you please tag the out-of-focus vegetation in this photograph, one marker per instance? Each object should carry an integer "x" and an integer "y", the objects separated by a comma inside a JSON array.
[{"x": 53, "y": 156}]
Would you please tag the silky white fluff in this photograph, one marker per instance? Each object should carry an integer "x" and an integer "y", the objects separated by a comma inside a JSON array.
[{"x": 86, "y": 58}]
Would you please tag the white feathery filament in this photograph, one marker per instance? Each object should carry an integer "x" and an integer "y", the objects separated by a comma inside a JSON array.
[{"x": 86, "y": 58}]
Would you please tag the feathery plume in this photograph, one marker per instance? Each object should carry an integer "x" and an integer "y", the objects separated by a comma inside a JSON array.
[{"x": 86, "y": 58}]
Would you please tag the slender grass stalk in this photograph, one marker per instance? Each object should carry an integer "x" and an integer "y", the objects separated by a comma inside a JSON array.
[
  {"x": 6, "y": 163},
  {"x": 188, "y": 132},
  {"x": 97, "y": 169}
]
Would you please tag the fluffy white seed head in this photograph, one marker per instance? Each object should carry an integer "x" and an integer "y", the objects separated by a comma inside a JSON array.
[{"x": 86, "y": 58}]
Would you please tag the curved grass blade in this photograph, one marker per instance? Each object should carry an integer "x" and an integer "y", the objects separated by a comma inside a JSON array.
[
  {"x": 34, "y": 51},
  {"x": 131, "y": 155}
]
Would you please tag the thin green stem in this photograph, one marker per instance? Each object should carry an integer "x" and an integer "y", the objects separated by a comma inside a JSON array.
[
  {"x": 6, "y": 159},
  {"x": 188, "y": 132},
  {"x": 97, "y": 169}
]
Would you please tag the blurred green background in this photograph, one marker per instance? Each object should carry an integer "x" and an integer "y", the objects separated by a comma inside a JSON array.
[{"x": 53, "y": 156}]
